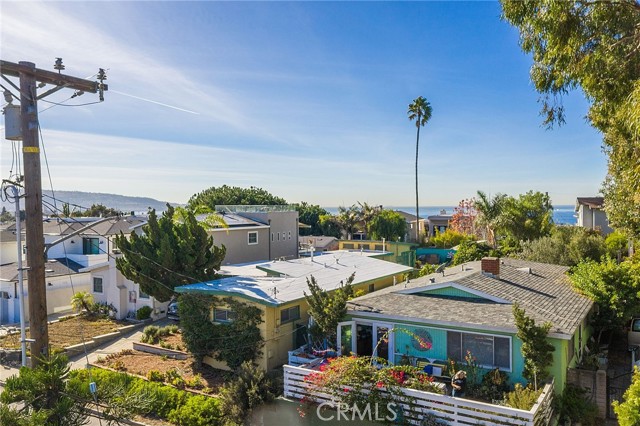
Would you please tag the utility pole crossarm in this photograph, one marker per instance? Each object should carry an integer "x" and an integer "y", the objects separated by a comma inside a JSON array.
[{"x": 50, "y": 77}]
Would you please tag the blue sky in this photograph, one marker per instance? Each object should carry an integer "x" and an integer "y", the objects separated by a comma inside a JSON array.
[{"x": 307, "y": 100}]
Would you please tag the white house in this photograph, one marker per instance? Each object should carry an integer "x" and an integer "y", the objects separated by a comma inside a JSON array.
[{"x": 591, "y": 214}]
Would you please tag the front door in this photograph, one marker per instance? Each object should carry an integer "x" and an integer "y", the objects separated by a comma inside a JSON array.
[
  {"x": 365, "y": 342},
  {"x": 346, "y": 340}
]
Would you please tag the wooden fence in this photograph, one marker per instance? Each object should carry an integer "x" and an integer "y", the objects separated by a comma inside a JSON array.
[{"x": 453, "y": 411}]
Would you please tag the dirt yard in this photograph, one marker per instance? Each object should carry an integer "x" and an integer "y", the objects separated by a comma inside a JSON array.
[{"x": 69, "y": 332}]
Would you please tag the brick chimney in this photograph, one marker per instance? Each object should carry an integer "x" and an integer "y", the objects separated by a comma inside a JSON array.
[{"x": 490, "y": 266}]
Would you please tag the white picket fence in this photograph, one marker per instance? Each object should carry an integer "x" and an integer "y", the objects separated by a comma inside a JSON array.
[{"x": 453, "y": 411}]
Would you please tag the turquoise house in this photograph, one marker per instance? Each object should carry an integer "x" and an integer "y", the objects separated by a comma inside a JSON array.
[{"x": 468, "y": 308}]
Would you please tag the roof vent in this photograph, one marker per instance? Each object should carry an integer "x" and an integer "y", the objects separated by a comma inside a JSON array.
[{"x": 527, "y": 270}]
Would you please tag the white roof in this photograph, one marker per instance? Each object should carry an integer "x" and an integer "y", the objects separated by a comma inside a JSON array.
[{"x": 328, "y": 270}]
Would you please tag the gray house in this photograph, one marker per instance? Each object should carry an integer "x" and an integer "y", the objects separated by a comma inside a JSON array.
[{"x": 591, "y": 214}]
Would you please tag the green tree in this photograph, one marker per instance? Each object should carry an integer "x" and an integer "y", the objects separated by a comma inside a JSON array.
[
  {"x": 616, "y": 244},
  {"x": 613, "y": 286},
  {"x": 329, "y": 226},
  {"x": 327, "y": 308},
  {"x": 250, "y": 388},
  {"x": 628, "y": 411},
  {"x": 348, "y": 218},
  {"x": 489, "y": 211},
  {"x": 387, "y": 224},
  {"x": 82, "y": 300},
  {"x": 99, "y": 210},
  {"x": 419, "y": 111},
  {"x": 234, "y": 195},
  {"x": 45, "y": 393},
  {"x": 470, "y": 250},
  {"x": 234, "y": 342},
  {"x": 536, "y": 349},
  {"x": 528, "y": 217},
  {"x": 5, "y": 216},
  {"x": 168, "y": 254},
  {"x": 448, "y": 239},
  {"x": 594, "y": 46},
  {"x": 567, "y": 245},
  {"x": 367, "y": 213},
  {"x": 310, "y": 214}
]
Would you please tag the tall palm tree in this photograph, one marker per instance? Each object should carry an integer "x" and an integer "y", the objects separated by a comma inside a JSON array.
[
  {"x": 420, "y": 111},
  {"x": 489, "y": 213}
]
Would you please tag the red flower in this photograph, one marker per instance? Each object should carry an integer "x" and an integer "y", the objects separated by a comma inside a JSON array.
[
  {"x": 380, "y": 385},
  {"x": 345, "y": 390}
]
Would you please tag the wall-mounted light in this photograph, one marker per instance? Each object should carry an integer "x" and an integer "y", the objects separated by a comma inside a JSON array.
[
  {"x": 49, "y": 284},
  {"x": 101, "y": 242},
  {"x": 73, "y": 242}
]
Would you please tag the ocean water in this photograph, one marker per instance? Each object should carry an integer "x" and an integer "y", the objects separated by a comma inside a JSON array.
[{"x": 562, "y": 215}]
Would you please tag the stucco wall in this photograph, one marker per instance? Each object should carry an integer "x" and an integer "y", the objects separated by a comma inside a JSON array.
[{"x": 237, "y": 243}]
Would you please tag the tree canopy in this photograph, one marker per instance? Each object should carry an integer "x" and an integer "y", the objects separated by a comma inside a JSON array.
[
  {"x": 567, "y": 245},
  {"x": 419, "y": 111},
  {"x": 310, "y": 214},
  {"x": 536, "y": 349},
  {"x": 168, "y": 254},
  {"x": 327, "y": 308},
  {"x": 594, "y": 46},
  {"x": 234, "y": 195},
  {"x": 387, "y": 224},
  {"x": 528, "y": 217}
]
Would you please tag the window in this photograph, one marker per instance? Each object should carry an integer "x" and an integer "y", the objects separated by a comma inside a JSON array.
[
  {"x": 489, "y": 351},
  {"x": 223, "y": 315},
  {"x": 290, "y": 314},
  {"x": 278, "y": 236},
  {"x": 289, "y": 234},
  {"x": 97, "y": 285},
  {"x": 90, "y": 246},
  {"x": 252, "y": 238},
  {"x": 272, "y": 237},
  {"x": 143, "y": 295}
]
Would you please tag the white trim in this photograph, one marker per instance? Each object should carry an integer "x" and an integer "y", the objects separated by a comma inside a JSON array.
[
  {"x": 94, "y": 267},
  {"x": 457, "y": 286},
  {"x": 249, "y": 233},
  {"x": 390, "y": 337},
  {"x": 238, "y": 228},
  {"x": 353, "y": 336},
  {"x": 513, "y": 330}
]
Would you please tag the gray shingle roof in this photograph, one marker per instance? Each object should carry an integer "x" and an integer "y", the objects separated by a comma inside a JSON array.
[
  {"x": 545, "y": 294},
  {"x": 53, "y": 267}
]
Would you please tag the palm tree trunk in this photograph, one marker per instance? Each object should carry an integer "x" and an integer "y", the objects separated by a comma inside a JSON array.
[{"x": 417, "y": 204}]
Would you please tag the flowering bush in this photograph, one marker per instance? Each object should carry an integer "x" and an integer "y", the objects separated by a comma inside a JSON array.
[{"x": 357, "y": 381}]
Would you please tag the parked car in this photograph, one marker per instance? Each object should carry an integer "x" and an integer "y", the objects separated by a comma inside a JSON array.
[
  {"x": 634, "y": 332},
  {"x": 172, "y": 311}
]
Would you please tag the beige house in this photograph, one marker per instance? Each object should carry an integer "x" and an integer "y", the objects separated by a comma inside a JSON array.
[
  {"x": 257, "y": 233},
  {"x": 280, "y": 295}
]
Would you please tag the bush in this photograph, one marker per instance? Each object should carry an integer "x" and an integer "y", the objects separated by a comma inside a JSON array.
[
  {"x": 155, "y": 376},
  {"x": 250, "y": 388},
  {"x": 494, "y": 385},
  {"x": 144, "y": 313},
  {"x": 628, "y": 412},
  {"x": 102, "y": 308},
  {"x": 197, "y": 411},
  {"x": 521, "y": 397},
  {"x": 150, "y": 334},
  {"x": 574, "y": 407}
]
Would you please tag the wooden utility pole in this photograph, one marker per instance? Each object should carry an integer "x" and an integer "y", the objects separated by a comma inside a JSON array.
[{"x": 29, "y": 77}]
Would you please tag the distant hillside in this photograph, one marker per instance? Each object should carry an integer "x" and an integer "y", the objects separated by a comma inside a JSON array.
[{"x": 86, "y": 199}]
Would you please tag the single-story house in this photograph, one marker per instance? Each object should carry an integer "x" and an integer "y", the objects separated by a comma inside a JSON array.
[
  {"x": 469, "y": 308},
  {"x": 280, "y": 295}
]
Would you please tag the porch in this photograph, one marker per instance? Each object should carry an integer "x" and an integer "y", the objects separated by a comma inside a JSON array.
[{"x": 447, "y": 409}]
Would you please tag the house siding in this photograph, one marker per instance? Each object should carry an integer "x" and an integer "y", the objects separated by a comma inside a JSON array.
[{"x": 438, "y": 352}]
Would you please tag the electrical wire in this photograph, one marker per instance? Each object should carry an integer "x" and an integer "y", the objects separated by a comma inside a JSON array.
[{"x": 67, "y": 105}]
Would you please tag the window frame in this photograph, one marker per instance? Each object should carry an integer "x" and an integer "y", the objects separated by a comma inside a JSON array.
[
  {"x": 87, "y": 243},
  {"x": 229, "y": 315},
  {"x": 289, "y": 317},
  {"x": 493, "y": 348},
  {"x": 249, "y": 234},
  {"x": 93, "y": 285}
]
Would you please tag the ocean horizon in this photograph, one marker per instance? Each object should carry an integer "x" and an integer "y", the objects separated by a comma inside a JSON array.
[{"x": 562, "y": 214}]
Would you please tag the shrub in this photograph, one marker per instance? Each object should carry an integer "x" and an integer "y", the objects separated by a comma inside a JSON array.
[
  {"x": 155, "y": 376},
  {"x": 238, "y": 397},
  {"x": 144, "y": 313},
  {"x": 628, "y": 412},
  {"x": 102, "y": 308},
  {"x": 196, "y": 382},
  {"x": 197, "y": 411},
  {"x": 150, "y": 334},
  {"x": 521, "y": 397},
  {"x": 573, "y": 406},
  {"x": 494, "y": 385}
]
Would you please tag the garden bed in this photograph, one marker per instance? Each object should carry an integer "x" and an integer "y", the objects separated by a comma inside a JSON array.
[
  {"x": 70, "y": 331},
  {"x": 156, "y": 367}
]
